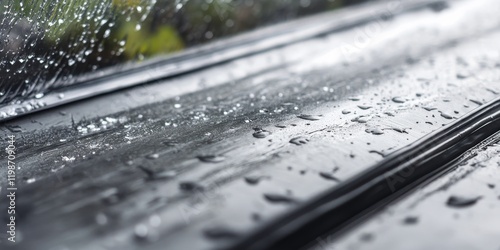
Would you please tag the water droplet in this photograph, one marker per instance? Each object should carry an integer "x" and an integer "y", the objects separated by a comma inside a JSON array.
[
  {"x": 278, "y": 198},
  {"x": 398, "y": 100},
  {"x": 141, "y": 232},
  {"x": 30, "y": 180},
  {"x": 361, "y": 119},
  {"x": 155, "y": 220},
  {"x": 309, "y": 117},
  {"x": 260, "y": 133},
  {"x": 364, "y": 107},
  {"x": 229, "y": 23},
  {"x": 476, "y": 102},
  {"x": 328, "y": 176},
  {"x": 376, "y": 152},
  {"x": 493, "y": 91},
  {"x": 429, "y": 108},
  {"x": 211, "y": 158},
  {"x": 354, "y": 98},
  {"x": 209, "y": 35},
  {"x": 152, "y": 156},
  {"x": 254, "y": 180},
  {"x": 345, "y": 112},
  {"x": 299, "y": 141},
  {"x": 375, "y": 131},
  {"x": 101, "y": 219},
  {"x": 462, "y": 201},
  {"x": 446, "y": 116}
]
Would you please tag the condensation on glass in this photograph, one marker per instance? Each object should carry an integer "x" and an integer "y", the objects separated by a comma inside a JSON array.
[{"x": 47, "y": 44}]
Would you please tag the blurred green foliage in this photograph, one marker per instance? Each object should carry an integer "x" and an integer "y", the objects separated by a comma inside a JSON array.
[
  {"x": 76, "y": 21},
  {"x": 142, "y": 43}
]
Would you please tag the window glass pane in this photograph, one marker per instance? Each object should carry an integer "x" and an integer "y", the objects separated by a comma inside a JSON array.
[{"x": 45, "y": 44}]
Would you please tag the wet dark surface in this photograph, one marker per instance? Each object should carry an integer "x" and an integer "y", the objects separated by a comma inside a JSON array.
[{"x": 200, "y": 160}]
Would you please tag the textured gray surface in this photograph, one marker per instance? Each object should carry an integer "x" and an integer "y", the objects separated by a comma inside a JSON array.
[
  {"x": 425, "y": 220},
  {"x": 100, "y": 173}
]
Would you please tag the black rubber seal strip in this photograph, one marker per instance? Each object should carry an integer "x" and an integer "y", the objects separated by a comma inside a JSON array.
[{"x": 417, "y": 162}]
